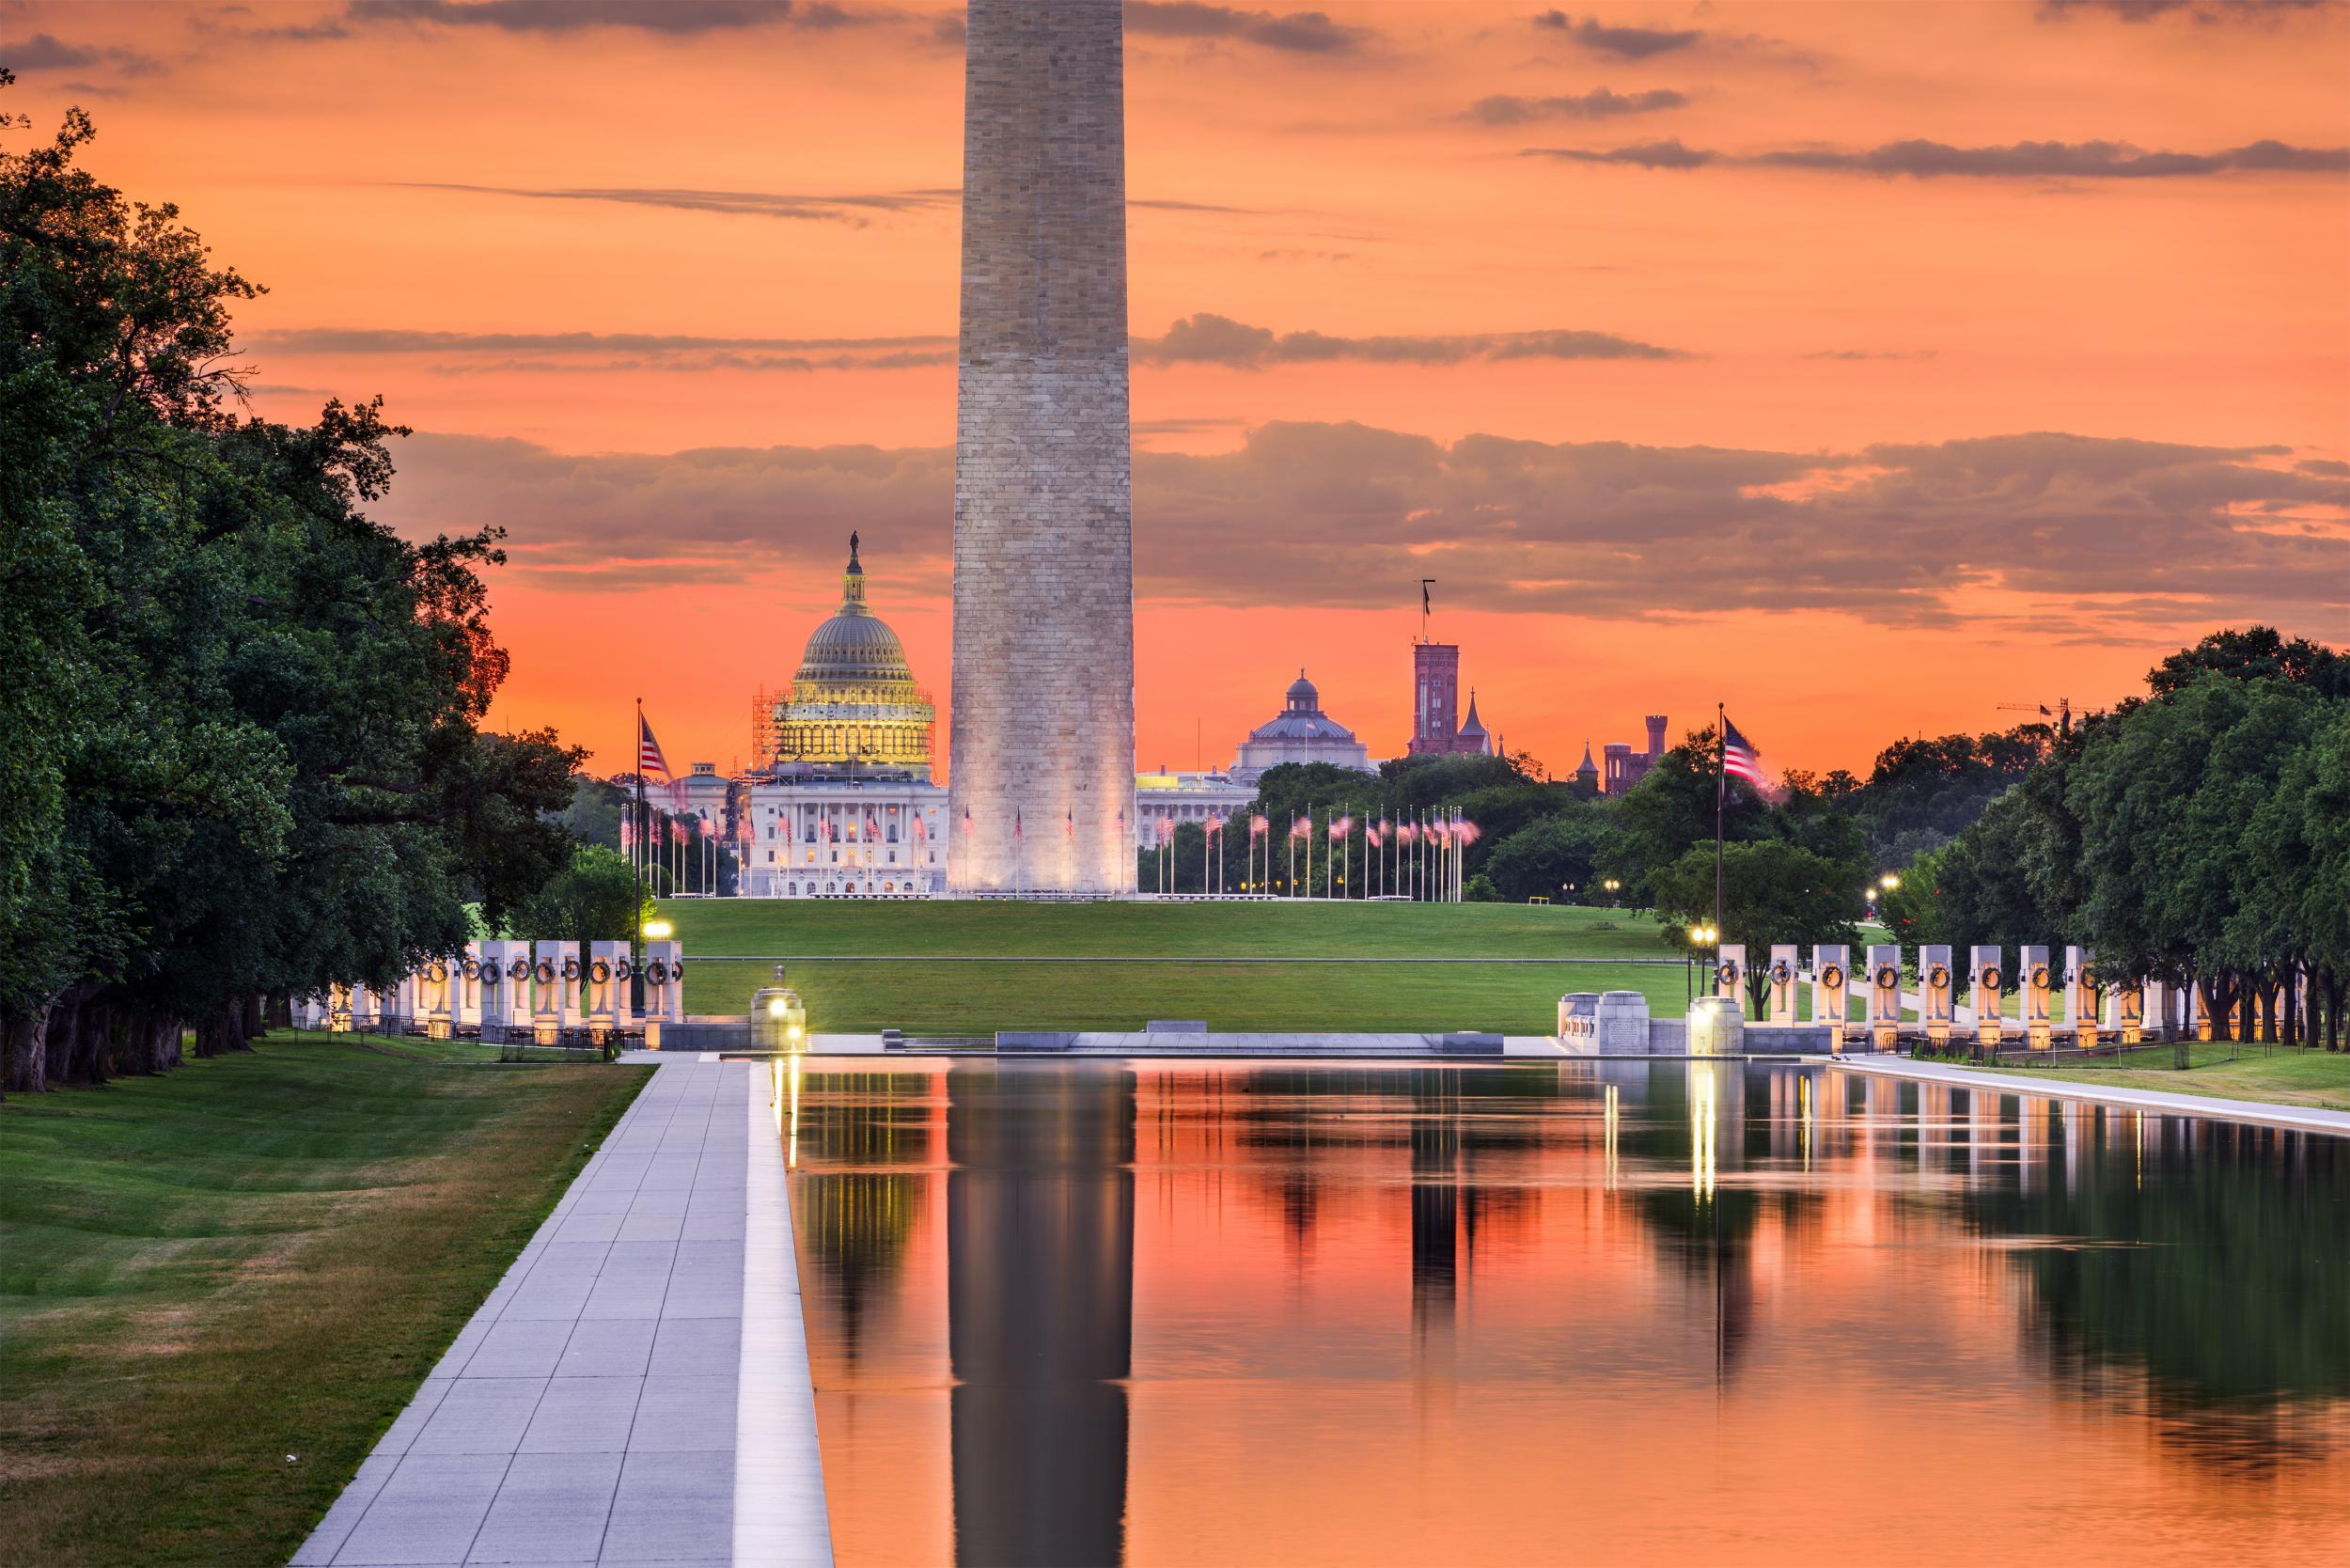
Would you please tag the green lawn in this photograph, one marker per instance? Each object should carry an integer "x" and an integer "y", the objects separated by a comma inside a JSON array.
[
  {"x": 912, "y": 992},
  {"x": 2278, "y": 1074},
  {"x": 1307, "y": 928},
  {"x": 248, "y": 1258}
]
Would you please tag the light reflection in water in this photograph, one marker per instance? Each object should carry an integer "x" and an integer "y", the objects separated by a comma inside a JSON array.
[{"x": 1337, "y": 1312}]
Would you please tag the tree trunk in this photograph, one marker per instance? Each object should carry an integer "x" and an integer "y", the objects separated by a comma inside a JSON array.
[{"x": 25, "y": 1068}]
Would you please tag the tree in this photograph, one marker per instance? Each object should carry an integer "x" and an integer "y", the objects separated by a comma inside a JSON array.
[
  {"x": 2254, "y": 653},
  {"x": 1772, "y": 891},
  {"x": 246, "y": 755},
  {"x": 1672, "y": 807},
  {"x": 1557, "y": 857},
  {"x": 593, "y": 899}
]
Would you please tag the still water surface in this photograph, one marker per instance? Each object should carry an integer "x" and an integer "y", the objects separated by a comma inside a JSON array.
[{"x": 1156, "y": 1312}]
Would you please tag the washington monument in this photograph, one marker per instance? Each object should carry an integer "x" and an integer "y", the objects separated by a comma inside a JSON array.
[{"x": 1042, "y": 727}]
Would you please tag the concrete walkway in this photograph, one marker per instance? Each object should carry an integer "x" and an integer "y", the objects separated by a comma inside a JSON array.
[
  {"x": 592, "y": 1410},
  {"x": 2305, "y": 1118}
]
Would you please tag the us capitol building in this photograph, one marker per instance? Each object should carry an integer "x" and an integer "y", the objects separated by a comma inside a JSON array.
[
  {"x": 843, "y": 805},
  {"x": 845, "y": 808}
]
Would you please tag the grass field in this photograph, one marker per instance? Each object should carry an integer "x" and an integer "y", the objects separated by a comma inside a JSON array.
[
  {"x": 247, "y": 1259},
  {"x": 910, "y": 990},
  {"x": 2277, "y": 1075}
]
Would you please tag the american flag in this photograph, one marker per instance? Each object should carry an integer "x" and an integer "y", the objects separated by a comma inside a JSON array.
[
  {"x": 649, "y": 759},
  {"x": 1257, "y": 826},
  {"x": 1302, "y": 828},
  {"x": 1739, "y": 758},
  {"x": 1343, "y": 827},
  {"x": 920, "y": 832}
]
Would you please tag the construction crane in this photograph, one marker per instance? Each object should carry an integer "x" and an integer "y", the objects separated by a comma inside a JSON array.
[{"x": 2063, "y": 715}]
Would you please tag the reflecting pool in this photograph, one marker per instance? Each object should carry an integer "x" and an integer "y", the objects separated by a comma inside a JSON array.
[{"x": 1238, "y": 1313}]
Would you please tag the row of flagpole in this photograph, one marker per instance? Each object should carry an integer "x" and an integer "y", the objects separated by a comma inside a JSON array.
[{"x": 1423, "y": 856}]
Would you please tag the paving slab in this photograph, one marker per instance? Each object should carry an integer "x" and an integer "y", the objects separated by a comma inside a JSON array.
[
  {"x": 590, "y": 1412},
  {"x": 2308, "y": 1118}
]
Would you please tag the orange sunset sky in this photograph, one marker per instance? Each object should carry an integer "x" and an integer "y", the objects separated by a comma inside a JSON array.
[{"x": 1863, "y": 366}]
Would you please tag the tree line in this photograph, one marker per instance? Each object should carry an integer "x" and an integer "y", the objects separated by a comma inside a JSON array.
[
  {"x": 242, "y": 752},
  {"x": 2198, "y": 836}
]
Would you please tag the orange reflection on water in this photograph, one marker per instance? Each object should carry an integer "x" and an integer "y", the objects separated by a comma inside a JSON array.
[{"x": 1228, "y": 1313}]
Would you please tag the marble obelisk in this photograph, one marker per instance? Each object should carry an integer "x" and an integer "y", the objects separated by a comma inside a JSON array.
[{"x": 1042, "y": 726}]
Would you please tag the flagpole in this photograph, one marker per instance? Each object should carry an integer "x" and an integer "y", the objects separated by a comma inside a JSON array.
[
  {"x": 636, "y": 948},
  {"x": 1721, "y": 792}
]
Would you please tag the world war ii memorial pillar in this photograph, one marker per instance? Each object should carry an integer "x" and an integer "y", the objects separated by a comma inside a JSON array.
[{"x": 1042, "y": 732}]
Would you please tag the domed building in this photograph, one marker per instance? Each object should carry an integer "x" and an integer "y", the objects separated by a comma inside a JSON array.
[
  {"x": 1300, "y": 733},
  {"x": 854, "y": 703},
  {"x": 845, "y": 808}
]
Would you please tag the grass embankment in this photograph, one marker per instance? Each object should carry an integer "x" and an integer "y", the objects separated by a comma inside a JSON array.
[
  {"x": 913, "y": 992},
  {"x": 2273, "y": 1075},
  {"x": 248, "y": 1258}
]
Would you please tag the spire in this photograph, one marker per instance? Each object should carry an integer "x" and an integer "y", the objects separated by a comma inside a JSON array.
[
  {"x": 1587, "y": 765},
  {"x": 853, "y": 583}
]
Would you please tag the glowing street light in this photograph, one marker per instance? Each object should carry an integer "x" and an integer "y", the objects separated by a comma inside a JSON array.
[
  {"x": 1890, "y": 881},
  {"x": 658, "y": 931}
]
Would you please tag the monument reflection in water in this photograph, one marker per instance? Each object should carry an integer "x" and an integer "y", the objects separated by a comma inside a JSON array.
[{"x": 1080, "y": 1312}]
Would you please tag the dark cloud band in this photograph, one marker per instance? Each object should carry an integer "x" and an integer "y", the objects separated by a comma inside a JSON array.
[
  {"x": 1928, "y": 160},
  {"x": 2137, "y": 533}
]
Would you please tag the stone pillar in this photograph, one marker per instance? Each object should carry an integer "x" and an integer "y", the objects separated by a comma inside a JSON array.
[
  {"x": 1989, "y": 992},
  {"x": 1782, "y": 994},
  {"x": 2037, "y": 981},
  {"x": 1730, "y": 974},
  {"x": 1884, "y": 996},
  {"x": 1042, "y": 727},
  {"x": 1937, "y": 993},
  {"x": 1830, "y": 980}
]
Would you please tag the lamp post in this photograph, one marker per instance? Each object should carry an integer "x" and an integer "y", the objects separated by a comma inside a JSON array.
[
  {"x": 1699, "y": 937},
  {"x": 1613, "y": 887}
]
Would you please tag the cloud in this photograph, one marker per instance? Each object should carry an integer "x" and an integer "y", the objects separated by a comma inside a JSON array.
[
  {"x": 1873, "y": 353},
  {"x": 2099, "y": 160},
  {"x": 1928, "y": 160},
  {"x": 1201, "y": 338},
  {"x": 2132, "y": 533},
  {"x": 1207, "y": 339},
  {"x": 47, "y": 51},
  {"x": 1625, "y": 43},
  {"x": 2205, "y": 13},
  {"x": 1667, "y": 154},
  {"x": 1291, "y": 32},
  {"x": 855, "y": 209},
  {"x": 670, "y": 18},
  {"x": 1599, "y": 103},
  {"x": 374, "y": 340}
]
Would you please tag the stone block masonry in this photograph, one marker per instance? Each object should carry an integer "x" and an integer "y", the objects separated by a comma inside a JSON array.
[{"x": 1041, "y": 791}]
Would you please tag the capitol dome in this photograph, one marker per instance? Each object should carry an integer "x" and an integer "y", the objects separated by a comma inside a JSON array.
[
  {"x": 855, "y": 703},
  {"x": 855, "y": 645}
]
